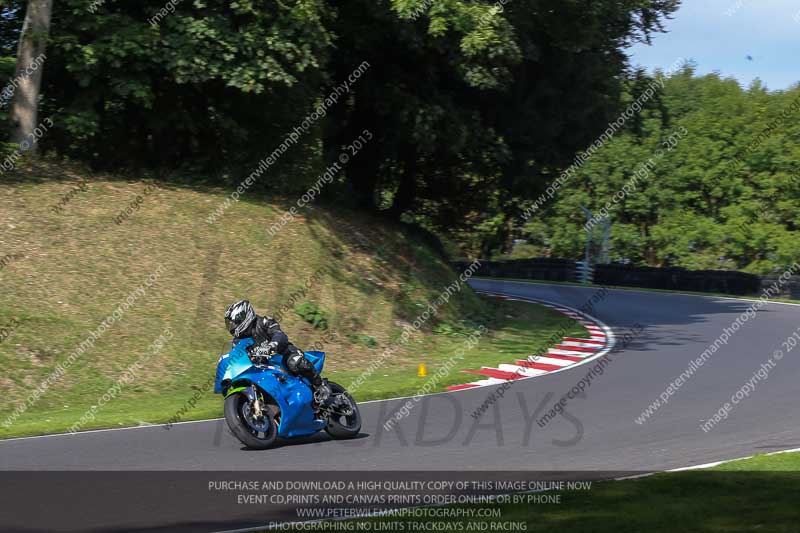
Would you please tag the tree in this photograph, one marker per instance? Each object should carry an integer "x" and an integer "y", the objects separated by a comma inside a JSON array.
[
  {"x": 694, "y": 207},
  {"x": 24, "y": 112},
  {"x": 478, "y": 107},
  {"x": 211, "y": 86},
  {"x": 10, "y": 26},
  {"x": 472, "y": 104}
]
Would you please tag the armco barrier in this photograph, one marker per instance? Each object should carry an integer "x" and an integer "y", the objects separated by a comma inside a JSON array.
[
  {"x": 677, "y": 279},
  {"x": 545, "y": 269},
  {"x": 791, "y": 289}
]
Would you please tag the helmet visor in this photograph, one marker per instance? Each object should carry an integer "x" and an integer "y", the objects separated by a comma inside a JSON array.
[{"x": 230, "y": 324}]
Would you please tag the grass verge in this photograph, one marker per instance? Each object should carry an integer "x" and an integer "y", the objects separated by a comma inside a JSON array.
[
  {"x": 757, "y": 494},
  {"x": 343, "y": 282},
  {"x": 515, "y": 328}
]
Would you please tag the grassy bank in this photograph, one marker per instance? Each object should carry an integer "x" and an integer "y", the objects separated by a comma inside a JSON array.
[
  {"x": 345, "y": 282},
  {"x": 758, "y": 494}
]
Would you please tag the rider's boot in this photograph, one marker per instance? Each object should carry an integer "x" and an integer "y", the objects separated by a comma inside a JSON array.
[
  {"x": 303, "y": 367},
  {"x": 321, "y": 389}
]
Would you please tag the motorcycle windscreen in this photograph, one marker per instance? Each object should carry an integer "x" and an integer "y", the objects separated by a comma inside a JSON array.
[{"x": 233, "y": 363}]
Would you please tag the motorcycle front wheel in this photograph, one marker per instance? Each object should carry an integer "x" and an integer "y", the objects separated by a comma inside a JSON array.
[
  {"x": 344, "y": 418},
  {"x": 257, "y": 432}
]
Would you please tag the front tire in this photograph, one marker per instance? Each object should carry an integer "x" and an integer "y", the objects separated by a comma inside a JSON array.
[
  {"x": 254, "y": 432},
  {"x": 341, "y": 425}
]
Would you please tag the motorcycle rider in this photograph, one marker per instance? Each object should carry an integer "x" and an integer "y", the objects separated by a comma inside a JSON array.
[{"x": 242, "y": 322}]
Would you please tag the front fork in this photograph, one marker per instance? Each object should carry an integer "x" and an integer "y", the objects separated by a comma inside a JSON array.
[{"x": 252, "y": 394}]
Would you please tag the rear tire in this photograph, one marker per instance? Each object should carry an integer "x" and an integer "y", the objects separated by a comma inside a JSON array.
[
  {"x": 258, "y": 434},
  {"x": 343, "y": 426}
]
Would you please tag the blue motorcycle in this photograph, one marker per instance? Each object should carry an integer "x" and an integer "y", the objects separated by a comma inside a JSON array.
[{"x": 264, "y": 401}]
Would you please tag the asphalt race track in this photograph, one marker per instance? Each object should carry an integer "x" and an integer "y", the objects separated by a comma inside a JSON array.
[{"x": 597, "y": 433}]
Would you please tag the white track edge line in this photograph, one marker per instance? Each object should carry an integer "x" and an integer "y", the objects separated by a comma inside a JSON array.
[
  {"x": 632, "y": 289},
  {"x": 609, "y": 335},
  {"x": 391, "y": 511}
]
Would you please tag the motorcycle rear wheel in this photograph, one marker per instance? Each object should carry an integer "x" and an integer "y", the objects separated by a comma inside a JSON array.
[{"x": 254, "y": 432}]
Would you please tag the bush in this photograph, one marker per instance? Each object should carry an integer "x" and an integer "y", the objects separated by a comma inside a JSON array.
[
  {"x": 311, "y": 313},
  {"x": 364, "y": 340}
]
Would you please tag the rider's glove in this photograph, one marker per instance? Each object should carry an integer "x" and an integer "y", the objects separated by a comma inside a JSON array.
[
  {"x": 260, "y": 355},
  {"x": 272, "y": 348}
]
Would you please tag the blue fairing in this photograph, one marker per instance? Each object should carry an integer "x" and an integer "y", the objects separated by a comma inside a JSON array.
[
  {"x": 317, "y": 359},
  {"x": 292, "y": 394}
]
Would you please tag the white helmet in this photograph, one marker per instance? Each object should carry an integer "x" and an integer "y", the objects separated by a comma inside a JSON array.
[{"x": 239, "y": 317}]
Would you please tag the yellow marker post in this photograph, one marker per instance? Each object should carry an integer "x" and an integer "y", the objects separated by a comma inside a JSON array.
[{"x": 422, "y": 370}]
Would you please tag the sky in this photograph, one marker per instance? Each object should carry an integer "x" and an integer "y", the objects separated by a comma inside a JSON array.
[{"x": 719, "y": 35}]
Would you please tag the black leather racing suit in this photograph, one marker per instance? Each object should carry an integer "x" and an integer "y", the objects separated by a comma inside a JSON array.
[{"x": 266, "y": 333}]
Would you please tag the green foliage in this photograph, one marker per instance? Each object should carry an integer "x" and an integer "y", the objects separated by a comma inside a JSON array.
[
  {"x": 464, "y": 99},
  {"x": 11, "y": 16},
  {"x": 364, "y": 340},
  {"x": 7, "y": 65},
  {"x": 458, "y": 327},
  {"x": 696, "y": 208},
  {"x": 214, "y": 85},
  {"x": 311, "y": 313},
  {"x": 6, "y": 149}
]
